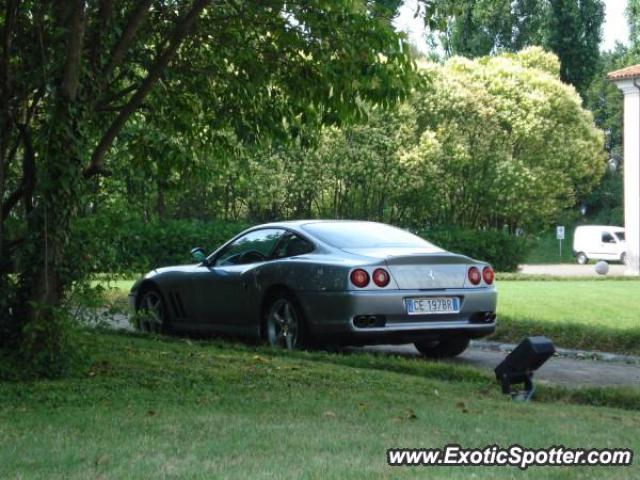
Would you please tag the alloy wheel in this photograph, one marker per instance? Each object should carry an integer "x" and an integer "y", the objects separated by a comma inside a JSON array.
[
  {"x": 151, "y": 312},
  {"x": 283, "y": 325}
]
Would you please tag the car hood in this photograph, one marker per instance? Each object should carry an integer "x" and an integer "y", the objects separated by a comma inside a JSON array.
[{"x": 175, "y": 268}]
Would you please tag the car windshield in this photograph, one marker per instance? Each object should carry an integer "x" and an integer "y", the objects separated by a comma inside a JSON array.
[
  {"x": 366, "y": 235},
  {"x": 620, "y": 236}
]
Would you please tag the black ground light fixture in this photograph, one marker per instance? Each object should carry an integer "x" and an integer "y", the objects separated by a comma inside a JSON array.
[{"x": 519, "y": 365}]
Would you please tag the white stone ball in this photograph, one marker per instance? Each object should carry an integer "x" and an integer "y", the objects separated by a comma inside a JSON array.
[{"x": 602, "y": 267}]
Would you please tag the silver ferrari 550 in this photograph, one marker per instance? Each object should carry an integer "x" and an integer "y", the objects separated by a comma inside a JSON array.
[{"x": 308, "y": 283}]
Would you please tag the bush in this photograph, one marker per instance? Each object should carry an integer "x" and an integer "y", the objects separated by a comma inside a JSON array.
[
  {"x": 49, "y": 346},
  {"x": 501, "y": 249},
  {"x": 124, "y": 244},
  {"x": 129, "y": 245},
  {"x": 546, "y": 249}
]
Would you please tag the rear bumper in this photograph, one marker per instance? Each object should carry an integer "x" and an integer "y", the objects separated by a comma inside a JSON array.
[{"x": 336, "y": 314}]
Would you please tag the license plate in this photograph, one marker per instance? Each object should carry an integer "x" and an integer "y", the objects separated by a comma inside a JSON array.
[{"x": 431, "y": 305}]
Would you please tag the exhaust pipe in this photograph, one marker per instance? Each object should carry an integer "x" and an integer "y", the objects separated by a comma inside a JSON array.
[
  {"x": 483, "y": 317},
  {"x": 369, "y": 321}
]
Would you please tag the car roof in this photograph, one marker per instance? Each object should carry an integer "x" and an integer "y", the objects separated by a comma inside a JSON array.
[
  {"x": 600, "y": 227},
  {"x": 299, "y": 223}
]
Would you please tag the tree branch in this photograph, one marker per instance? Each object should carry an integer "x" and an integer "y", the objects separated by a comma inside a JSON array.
[
  {"x": 5, "y": 94},
  {"x": 7, "y": 37},
  {"x": 28, "y": 181},
  {"x": 71, "y": 75},
  {"x": 178, "y": 35},
  {"x": 103, "y": 105},
  {"x": 10, "y": 155},
  {"x": 105, "y": 11},
  {"x": 5, "y": 74},
  {"x": 12, "y": 245},
  {"x": 135, "y": 21}
]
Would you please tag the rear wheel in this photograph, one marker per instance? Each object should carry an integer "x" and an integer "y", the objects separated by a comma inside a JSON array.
[
  {"x": 447, "y": 347},
  {"x": 285, "y": 327},
  {"x": 581, "y": 258},
  {"x": 150, "y": 315}
]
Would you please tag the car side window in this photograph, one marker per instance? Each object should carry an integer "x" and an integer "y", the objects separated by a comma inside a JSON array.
[
  {"x": 607, "y": 238},
  {"x": 292, "y": 246},
  {"x": 253, "y": 247}
]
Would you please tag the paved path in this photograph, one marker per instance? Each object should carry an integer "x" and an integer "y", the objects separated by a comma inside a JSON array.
[
  {"x": 558, "y": 370},
  {"x": 570, "y": 270}
]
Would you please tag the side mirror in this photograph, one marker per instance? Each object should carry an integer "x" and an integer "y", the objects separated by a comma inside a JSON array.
[{"x": 198, "y": 254}]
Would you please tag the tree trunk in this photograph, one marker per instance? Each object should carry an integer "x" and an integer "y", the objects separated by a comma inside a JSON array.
[
  {"x": 5, "y": 328},
  {"x": 45, "y": 269},
  {"x": 161, "y": 208}
]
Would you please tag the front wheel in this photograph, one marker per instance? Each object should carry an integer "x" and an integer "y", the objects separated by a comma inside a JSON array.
[
  {"x": 285, "y": 326},
  {"x": 447, "y": 347},
  {"x": 150, "y": 314},
  {"x": 582, "y": 258},
  {"x": 623, "y": 258}
]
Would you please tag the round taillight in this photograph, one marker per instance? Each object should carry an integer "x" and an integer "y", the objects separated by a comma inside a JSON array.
[
  {"x": 380, "y": 277},
  {"x": 488, "y": 275},
  {"x": 474, "y": 275},
  {"x": 360, "y": 278}
]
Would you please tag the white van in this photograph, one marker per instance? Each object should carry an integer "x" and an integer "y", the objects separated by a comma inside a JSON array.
[{"x": 599, "y": 242}]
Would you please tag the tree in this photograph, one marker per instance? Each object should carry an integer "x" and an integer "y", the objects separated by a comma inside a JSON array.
[
  {"x": 633, "y": 21},
  {"x": 480, "y": 144},
  {"x": 605, "y": 100},
  {"x": 74, "y": 74},
  {"x": 513, "y": 144},
  {"x": 569, "y": 28},
  {"x": 490, "y": 26},
  {"x": 573, "y": 32}
]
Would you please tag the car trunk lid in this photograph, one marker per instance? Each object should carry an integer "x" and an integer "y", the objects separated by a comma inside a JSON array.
[
  {"x": 428, "y": 271},
  {"x": 420, "y": 268}
]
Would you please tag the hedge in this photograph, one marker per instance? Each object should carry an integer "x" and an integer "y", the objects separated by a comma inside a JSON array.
[
  {"x": 124, "y": 244},
  {"x": 501, "y": 249},
  {"x": 129, "y": 245}
]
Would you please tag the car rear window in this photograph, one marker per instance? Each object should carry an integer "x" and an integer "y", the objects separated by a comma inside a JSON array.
[{"x": 365, "y": 235}]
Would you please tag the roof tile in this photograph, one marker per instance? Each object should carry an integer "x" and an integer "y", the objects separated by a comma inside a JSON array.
[{"x": 627, "y": 72}]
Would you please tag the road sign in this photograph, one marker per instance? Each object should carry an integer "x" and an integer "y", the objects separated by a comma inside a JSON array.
[{"x": 560, "y": 236}]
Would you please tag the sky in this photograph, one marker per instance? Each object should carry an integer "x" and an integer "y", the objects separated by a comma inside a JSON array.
[{"x": 614, "y": 28}]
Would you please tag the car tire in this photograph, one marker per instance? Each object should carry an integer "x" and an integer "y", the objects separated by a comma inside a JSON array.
[
  {"x": 151, "y": 312},
  {"x": 284, "y": 323},
  {"x": 582, "y": 258},
  {"x": 447, "y": 347},
  {"x": 623, "y": 258}
]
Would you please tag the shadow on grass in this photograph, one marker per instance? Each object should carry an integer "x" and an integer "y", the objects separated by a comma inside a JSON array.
[
  {"x": 136, "y": 365},
  {"x": 571, "y": 335},
  {"x": 478, "y": 382}
]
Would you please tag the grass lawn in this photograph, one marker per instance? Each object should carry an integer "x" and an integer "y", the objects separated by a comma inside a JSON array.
[
  {"x": 590, "y": 314},
  {"x": 158, "y": 407}
]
